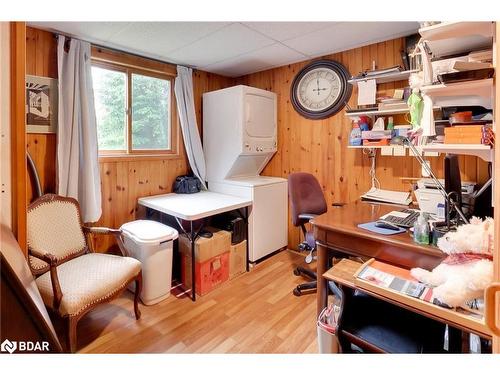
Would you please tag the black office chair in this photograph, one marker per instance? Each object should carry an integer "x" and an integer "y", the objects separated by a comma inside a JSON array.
[{"x": 307, "y": 201}]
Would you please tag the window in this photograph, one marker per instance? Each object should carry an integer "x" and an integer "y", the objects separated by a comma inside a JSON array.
[{"x": 134, "y": 110}]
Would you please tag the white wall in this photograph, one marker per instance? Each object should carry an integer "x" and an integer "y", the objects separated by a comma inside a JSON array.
[{"x": 5, "y": 156}]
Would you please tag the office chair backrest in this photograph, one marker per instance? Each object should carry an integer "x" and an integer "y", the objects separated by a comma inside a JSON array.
[{"x": 306, "y": 196}]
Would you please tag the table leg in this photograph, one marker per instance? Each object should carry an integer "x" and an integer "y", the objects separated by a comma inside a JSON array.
[
  {"x": 248, "y": 239},
  {"x": 192, "y": 239},
  {"x": 321, "y": 268}
]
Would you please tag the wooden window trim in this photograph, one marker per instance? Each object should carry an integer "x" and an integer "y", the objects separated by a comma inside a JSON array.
[{"x": 130, "y": 64}]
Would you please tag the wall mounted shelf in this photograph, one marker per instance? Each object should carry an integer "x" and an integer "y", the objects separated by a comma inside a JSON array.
[
  {"x": 452, "y": 30},
  {"x": 480, "y": 87},
  {"x": 482, "y": 151},
  {"x": 477, "y": 92},
  {"x": 383, "y": 112},
  {"x": 449, "y": 38},
  {"x": 384, "y": 78}
]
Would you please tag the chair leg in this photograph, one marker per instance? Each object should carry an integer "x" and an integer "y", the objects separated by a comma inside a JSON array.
[
  {"x": 138, "y": 289},
  {"x": 72, "y": 323}
]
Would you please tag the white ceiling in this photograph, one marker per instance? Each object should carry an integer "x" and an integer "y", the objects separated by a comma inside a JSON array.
[{"x": 232, "y": 48}]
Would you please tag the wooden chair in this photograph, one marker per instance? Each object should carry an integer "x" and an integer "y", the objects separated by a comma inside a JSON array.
[{"x": 71, "y": 277}]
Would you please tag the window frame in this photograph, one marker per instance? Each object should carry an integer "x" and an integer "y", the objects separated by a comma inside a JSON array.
[{"x": 128, "y": 64}]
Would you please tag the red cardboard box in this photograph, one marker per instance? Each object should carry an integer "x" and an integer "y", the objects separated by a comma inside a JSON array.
[{"x": 208, "y": 274}]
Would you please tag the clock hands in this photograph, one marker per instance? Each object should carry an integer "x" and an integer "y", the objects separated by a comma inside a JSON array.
[{"x": 319, "y": 89}]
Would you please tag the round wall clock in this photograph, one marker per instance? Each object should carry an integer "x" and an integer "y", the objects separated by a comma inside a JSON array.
[{"x": 320, "y": 89}]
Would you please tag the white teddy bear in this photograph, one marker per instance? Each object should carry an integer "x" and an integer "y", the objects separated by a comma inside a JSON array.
[{"x": 468, "y": 269}]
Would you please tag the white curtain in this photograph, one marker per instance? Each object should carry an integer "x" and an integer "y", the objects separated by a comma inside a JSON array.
[
  {"x": 77, "y": 158},
  {"x": 185, "y": 106}
]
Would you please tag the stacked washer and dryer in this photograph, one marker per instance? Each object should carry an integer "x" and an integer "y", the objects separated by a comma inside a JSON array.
[{"x": 239, "y": 139}]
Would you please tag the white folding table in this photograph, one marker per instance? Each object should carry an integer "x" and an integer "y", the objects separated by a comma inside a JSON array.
[{"x": 191, "y": 207}]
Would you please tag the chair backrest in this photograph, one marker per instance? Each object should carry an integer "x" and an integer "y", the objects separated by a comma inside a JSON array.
[
  {"x": 24, "y": 316},
  {"x": 55, "y": 227},
  {"x": 306, "y": 196}
]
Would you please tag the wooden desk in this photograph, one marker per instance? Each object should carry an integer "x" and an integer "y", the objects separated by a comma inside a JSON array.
[{"x": 338, "y": 230}]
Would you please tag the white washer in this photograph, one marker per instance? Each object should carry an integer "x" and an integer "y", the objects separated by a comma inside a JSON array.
[
  {"x": 151, "y": 243},
  {"x": 268, "y": 214}
]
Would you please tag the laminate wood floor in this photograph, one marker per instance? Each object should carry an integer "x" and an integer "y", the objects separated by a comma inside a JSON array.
[{"x": 255, "y": 312}]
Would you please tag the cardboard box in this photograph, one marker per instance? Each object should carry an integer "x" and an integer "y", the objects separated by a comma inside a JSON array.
[
  {"x": 207, "y": 248},
  {"x": 208, "y": 274},
  {"x": 238, "y": 259},
  {"x": 211, "y": 260}
]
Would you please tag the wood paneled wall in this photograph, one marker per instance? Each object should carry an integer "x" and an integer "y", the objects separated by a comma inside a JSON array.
[
  {"x": 41, "y": 60},
  {"x": 122, "y": 182},
  {"x": 17, "y": 131},
  {"x": 320, "y": 147}
]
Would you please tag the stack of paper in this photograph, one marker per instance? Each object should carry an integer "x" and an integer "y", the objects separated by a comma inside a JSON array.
[{"x": 388, "y": 196}]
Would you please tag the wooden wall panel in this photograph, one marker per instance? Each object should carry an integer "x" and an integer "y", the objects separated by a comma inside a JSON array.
[
  {"x": 17, "y": 131},
  {"x": 304, "y": 145},
  {"x": 122, "y": 182},
  {"x": 41, "y": 60},
  {"x": 320, "y": 146}
]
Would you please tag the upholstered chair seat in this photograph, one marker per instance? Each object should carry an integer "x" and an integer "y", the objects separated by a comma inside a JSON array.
[{"x": 88, "y": 279}]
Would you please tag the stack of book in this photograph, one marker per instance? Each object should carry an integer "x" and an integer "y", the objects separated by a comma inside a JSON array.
[
  {"x": 393, "y": 105},
  {"x": 467, "y": 134}
]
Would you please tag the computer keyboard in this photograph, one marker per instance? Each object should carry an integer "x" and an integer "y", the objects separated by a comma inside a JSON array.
[{"x": 404, "y": 222}]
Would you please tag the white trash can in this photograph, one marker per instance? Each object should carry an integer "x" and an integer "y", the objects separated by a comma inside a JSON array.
[{"x": 151, "y": 243}]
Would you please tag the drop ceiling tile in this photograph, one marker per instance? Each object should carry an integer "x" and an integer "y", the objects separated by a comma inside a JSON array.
[
  {"x": 100, "y": 31},
  {"x": 163, "y": 37},
  {"x": 228, "y": 42},
  {"x": 261, "y": 59},
  {"x": 287, "y": 30},
  {"x": 346, "y": 35}
]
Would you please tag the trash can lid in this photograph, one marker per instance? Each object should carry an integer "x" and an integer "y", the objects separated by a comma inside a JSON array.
[{"x": 149, "y": 231}]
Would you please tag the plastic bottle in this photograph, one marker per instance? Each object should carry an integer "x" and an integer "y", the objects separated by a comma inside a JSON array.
[
  {"x": 355, "y": 136},
  {"x": 390, "y": 124},
  {"x": 421, "y": 230}
]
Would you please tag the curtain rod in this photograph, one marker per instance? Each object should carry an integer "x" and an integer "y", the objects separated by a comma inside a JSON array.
[{"x": 57, "y": 33}]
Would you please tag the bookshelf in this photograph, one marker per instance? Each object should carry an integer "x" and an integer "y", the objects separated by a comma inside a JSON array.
[{"x": 449, "y": 38}]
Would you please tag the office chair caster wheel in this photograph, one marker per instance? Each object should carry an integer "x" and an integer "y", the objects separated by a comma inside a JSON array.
[
  {"x": 296, "y": 272},
  {"x": 309, "y": 257},
  {"x": 297, "y": 292}
]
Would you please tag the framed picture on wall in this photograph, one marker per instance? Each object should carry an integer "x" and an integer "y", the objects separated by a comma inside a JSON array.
[{"x": 41, "y": 104}]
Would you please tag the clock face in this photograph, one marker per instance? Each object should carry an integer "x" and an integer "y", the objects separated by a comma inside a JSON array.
[{"x": 320, "y": 89}]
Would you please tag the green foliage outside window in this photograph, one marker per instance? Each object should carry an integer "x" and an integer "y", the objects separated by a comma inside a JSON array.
[{"x": 150, "y": 110}]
